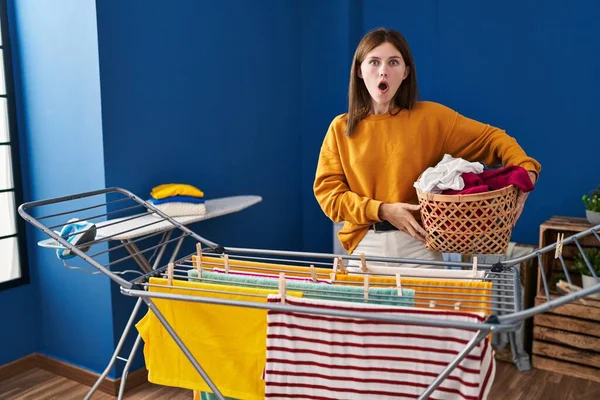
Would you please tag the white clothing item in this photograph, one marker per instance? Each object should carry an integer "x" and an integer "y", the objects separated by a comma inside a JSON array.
[
  {"x": 446, "y": 175},
  {"x": 180, "y": 209},
  {"x": 426, "y": 272},
  {"x": 395, "y": 244},
  {"x": 318, "y": 356}
]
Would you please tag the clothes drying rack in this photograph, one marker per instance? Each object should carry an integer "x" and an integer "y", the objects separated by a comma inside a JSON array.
[{"x": 503, "y": 305}]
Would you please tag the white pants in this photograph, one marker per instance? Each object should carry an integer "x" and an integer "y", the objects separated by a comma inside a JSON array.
[{"x": 396, "y": 244}]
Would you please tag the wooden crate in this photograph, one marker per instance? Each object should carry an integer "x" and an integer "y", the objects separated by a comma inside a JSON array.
[
  {"x": 566, "y": 340},
  {"x": 549, "y": 231}
]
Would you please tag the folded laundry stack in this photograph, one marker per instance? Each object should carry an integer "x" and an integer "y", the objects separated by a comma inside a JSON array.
[{"x": 178, "y": 199}]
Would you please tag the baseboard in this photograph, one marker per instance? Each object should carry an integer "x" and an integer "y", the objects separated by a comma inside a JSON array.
[
  {"x": 77, "y": 374},
  {"x": 18, "y": 366}
]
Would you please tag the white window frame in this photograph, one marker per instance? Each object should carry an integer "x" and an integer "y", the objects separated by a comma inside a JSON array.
[{"x": 8, "y": 213}]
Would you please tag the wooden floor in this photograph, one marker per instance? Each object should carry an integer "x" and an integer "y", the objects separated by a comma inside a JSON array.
[{"x": 509, "y": 384}]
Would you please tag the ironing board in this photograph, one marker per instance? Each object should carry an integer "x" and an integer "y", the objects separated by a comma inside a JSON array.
[{"x": 126, "y": 229}]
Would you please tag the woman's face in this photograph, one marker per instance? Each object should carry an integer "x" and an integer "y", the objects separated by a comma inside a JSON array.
[{"x": 383, "y": 71}]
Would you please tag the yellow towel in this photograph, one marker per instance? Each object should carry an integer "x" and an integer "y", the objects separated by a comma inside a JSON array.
[
  {"x": 263, "y": 268},
  {"x": 457, "y": 290},
  {"x": 228, "y": 342},
  {"x": 175, "y": 189}
]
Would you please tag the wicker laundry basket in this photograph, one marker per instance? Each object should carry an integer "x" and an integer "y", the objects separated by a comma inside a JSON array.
[{"x": 469, "y": 224}]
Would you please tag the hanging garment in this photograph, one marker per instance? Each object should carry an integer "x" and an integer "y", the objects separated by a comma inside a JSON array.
[
  {"x": 260, "y": 267},
  {"x": 473, "y": 296},
  {"x": 437, "y": 273},
  {"x": 228, "y": 342},
  {"x": 325, "y": 357},
  {"x": 273, "y": 275},
  {"x": 378, "y": 295}
]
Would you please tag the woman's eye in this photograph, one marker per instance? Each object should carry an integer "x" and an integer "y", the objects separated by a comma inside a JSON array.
[
  {"x": 374, "y": 62},
  {"x": 394, "y": 63}
]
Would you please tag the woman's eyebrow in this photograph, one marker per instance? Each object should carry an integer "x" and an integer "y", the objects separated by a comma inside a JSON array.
[{"x": 379, "y": 58}]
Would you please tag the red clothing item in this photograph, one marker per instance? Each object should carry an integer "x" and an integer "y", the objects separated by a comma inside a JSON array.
[{"x": 494, "y": 179}]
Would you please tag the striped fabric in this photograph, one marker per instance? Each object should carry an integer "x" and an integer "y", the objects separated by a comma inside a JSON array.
[
  {"x": 270, "y": 276},
  {"x": 325, "y": 357}
]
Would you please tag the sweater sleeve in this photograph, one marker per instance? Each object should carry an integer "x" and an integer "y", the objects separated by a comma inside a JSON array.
[
  {"x": 475, "y": 141},
  {"x": 333, "y": 194}
]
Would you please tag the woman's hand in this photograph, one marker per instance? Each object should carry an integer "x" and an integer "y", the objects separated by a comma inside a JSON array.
[
  {"x": 521, "y": 197},
  {"x": 399, "y": 215}
]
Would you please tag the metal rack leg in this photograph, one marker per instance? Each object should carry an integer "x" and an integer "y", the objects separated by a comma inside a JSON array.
[
  {"x": 183, "y": 348},
  {"x": 128, "y": 365},
  {"x": 446, "y": 372},
  {"x": 117, "y": 350}
]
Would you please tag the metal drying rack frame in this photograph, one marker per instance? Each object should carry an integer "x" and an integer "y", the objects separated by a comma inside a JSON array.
[{"x": 114, "y": 209}]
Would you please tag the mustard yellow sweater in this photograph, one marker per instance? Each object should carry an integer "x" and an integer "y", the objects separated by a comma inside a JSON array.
[{"x": 386, "y": 154}]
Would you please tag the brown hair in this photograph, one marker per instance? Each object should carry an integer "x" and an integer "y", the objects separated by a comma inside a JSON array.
[{"x": 359, "y": 100}]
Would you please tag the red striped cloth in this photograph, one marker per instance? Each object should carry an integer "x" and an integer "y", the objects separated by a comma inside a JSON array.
[{"x": 326, "y": 357}]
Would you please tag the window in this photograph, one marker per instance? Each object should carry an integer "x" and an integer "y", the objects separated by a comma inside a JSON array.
[{"x": 13, "y": 263}]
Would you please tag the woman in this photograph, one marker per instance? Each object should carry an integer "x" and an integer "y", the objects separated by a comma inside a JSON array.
[{"x": 372, "y": 155}]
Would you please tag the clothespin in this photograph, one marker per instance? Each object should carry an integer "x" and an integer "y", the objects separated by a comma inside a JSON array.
[
  {"x": 170, "y": 271},
  {"x": 431, "y": 303},
  {"x": 474, "y": 266},
  {"x": 282, "y": 287},
  {"x": 313, "y": 273},
  {"x": 559, "y": 245},
  {"x": 399, "y": 284},
  {"x": 457, "y": 306},
  {"x": 366, "y": 287},
  {"x": 199, "y": 259},
  {"x": 226, "y": 262},
  {"x": 335, "y": 267},
  {"x": 342, "y": 266},
  {"x": 363, "y": 263}
]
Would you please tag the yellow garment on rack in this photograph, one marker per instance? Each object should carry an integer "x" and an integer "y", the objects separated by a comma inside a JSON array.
[
  {"x": 228, "y": 342},
  {"x": 260, "y": 267},
  {"x": 175, "y": 189},
  {"x": 456, "y": 290}
]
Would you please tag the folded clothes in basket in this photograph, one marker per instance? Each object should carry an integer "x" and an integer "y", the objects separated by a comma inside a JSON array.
[{"x": 76, "y": 233}]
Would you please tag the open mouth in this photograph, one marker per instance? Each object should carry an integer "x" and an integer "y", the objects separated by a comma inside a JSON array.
[{"x": 383, "y": 87}]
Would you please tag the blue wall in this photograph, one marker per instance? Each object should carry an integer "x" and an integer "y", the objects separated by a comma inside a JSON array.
[
  {"x": 236, "y": 99},
  {"x": 19, "y": 320},
  {"x": 324, "y": 79},
  {"x": 61, "y": 129},
  {"x": 205, "y": 93}
]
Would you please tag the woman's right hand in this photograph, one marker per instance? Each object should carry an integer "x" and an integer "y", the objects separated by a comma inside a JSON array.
[{"x": 399, "y": 215}]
